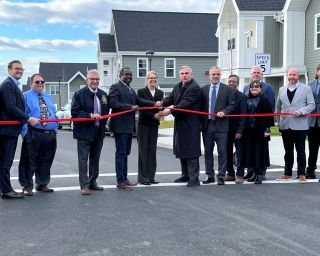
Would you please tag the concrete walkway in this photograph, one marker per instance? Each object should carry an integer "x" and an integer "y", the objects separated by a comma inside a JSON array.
[{"x": 275, "y": 146}]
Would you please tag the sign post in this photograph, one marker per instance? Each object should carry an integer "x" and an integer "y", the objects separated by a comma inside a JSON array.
[{"x": 264, "y": 61}]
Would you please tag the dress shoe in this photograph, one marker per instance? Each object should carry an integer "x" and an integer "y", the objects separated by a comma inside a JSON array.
[
  {"x": 302, "y": 179},
  {"x": 12, "y": 195},
  {"x": 130, "y": 184},
  {"x": 96, "y": 187},
  {"x": 311, "y": 175},
  {"x": 248, "y": 175},
  {"x": 85, "y": 191},
  {"x": 145, "y": 183},
  {"x": 220, "y": 181},
  {"x": 208, "y": 181},
  {"x": 252, "y": 179},
  {"x": 258, "y": 179},
  {"x": 27, "y": 191},
  {"x": 285, "y": 178},
  {"x": 239, "y": 180},
  {"x": 229, "y": 178},
  {"x": 45, "y": 189},
  {"x": 154, "y": 182},
  {"x": 191, "y": 184},
  {"x": 182, "y": 179},
  {"x": 123, "y": 186}
]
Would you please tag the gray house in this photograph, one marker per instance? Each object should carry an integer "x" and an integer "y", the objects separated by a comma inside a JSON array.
[
  {"x": 161, "y": 41},
  {"x": 63, "y": 79}
]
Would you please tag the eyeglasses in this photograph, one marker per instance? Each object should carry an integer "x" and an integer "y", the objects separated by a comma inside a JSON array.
[
  {"x": 254, "y": 86},
  {"x": 94, "y": 79},
  {"x": 19, "y": 69},
  {"x": 153, "y": 78},
  {"x": 39, "y": 82}
]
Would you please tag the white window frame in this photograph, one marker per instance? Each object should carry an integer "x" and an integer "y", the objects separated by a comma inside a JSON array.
[
  {"x": 146, "y": 68},
  {"x": 56, "y": 92},
  {"x": 316, "y": 17},
  {"x": 174, "y": 67}
]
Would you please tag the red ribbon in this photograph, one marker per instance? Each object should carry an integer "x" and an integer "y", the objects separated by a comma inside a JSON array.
[{"x": 81, "y": 119}]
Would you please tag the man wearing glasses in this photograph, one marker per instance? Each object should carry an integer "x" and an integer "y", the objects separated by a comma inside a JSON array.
[
  {"x": 11, "y": 108},
  {"x": 39, "y": 142}
]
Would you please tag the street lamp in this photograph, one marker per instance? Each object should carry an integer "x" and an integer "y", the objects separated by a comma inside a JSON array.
[
  {"x": 150, "y": 54},
  {"x": 59, "y": 81}
]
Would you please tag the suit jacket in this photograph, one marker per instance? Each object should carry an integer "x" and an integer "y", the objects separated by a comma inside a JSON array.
[
  {"x": 122, "y": 97},
  {"x": 237, "y": 124},
  {"x": 82, "y": 106},
  {"x": 268, "y": 92},
  {"x": 302, "y": 101},
  {"x": 312, "y": 119},
  {"x": 146, "y": 117},
  {"x": 224, "y": 103},
  {"x": 12, "y": 107},
  {"x": 187, "y": 128}
]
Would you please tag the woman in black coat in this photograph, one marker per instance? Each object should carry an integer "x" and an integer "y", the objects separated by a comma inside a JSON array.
[
  {"x": 147, "y": 132},
  {"x": 257, "y": 133}
]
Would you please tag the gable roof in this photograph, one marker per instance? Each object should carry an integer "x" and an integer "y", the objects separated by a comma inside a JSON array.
[
  {"x": 107, "y": 43},
  {"x": 260, "y": 5},
  {"x": 51, "y": 71},
  {"x": 165, "y": 31}
]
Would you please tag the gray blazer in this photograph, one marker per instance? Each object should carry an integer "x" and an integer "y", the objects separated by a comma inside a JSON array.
[
  {"x": 302, "y": 101},
  {"x": 312, "y": 119}
]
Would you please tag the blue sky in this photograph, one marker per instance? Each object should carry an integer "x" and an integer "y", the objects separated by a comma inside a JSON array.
[{"x": 67, "y": 30}]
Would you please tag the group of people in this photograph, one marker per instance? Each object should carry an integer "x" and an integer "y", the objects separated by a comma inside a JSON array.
[{"x": 249, "y": 135}]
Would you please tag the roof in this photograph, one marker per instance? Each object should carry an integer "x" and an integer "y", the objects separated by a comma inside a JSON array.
[
  {"x": 165, "y": 31},
  {"x": 51, "y": 71},
  {"x": 260, "y": 5},
  {"x": 106, "y": 43}
]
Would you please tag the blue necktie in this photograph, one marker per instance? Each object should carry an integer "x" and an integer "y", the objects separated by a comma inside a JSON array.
[{"x": 213, "y": 100}]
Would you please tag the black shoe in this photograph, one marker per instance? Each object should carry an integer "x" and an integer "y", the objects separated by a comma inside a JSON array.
[
  {"x": 252, "y": 179},
  {"x": 154, "y": 182},
  {"x": 146, "y": 183},
  {"x": 258, "y": 179},
  {"x": 182, "y": 179},
  {"x": 193, "y": 184},
  {"x": 264, "y": 177},
  {"x": 95, "y": 187},
  {"x": 311, "y": 175},
  {"x": 12, "y": 195},
  {"x": 208, "y": 181},
  {"x": 220, "y": 181},
  {"x": 248, "y": 175}
]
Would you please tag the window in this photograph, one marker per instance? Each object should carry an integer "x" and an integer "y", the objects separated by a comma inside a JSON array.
[
  {"x": 317, "y": 31},
  {"x": 54, "y": 89},
  {"x": 106, "y": 62},
  {"x": 231, "y": 44},
  {"x": 142, "y": 67},
  {"x": 170, "y": 68},
  {"x": 105, "y": 73},
  {"x": 248, "y": 36}
]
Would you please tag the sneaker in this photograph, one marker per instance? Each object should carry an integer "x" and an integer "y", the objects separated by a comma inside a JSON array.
[
  {"x": 285, "y": 178},
  {"x": 239, "y": 180},
  {"x": 302, "y": 179}
]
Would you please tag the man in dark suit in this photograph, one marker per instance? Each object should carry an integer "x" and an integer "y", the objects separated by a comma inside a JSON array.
[
  {"x": 11, "y": 108},
  {"x": 122, "y": 97},
  {"x": 217, "y": 98},
  {"x": 236, "y": 127},
  {"x": 187, "y": 127},
  {"x": 89, "y": 102},
  {"x": 257, "y": 75},
  {"x": 314, "y": 129}
]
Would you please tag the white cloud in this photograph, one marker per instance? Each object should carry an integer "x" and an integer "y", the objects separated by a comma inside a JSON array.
[{"x": 43, "y": 45}]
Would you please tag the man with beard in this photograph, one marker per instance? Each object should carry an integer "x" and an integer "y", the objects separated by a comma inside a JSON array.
[{"x": 121, "y": 98}]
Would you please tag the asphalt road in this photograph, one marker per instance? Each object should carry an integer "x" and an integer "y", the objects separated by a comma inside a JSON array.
[{"x": 166, "y": 219}]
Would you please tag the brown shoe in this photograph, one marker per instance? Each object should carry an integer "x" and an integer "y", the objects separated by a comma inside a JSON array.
[
  {"x": 302, "y": 179},
  {"x": 239, "y": 180},
  {"x": 45, "y": 189},
  {"x": 130, "y": 184},
  {"x": 96, "y": 187},
  {"x": 27, "y": 191},
  {"x": 229, "y": 178},
  {"x": 123, "y": 186},
  {"x": 85, "y": 191},
  {"x": 285, "y": 178}
]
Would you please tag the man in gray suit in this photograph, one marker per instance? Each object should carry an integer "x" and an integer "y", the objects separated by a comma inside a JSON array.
[
  {"x": 296, "y": 99},
  {"x": 216, "y": 97},
  {"x": 314, "y": 129}
]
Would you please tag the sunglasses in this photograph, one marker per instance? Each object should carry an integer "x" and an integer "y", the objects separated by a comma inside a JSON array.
[
  {"x": 255, "y": 86},
  {"x": 39, "y": 82}
]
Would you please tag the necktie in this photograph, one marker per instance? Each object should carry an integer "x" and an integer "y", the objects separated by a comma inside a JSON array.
[
  {"x": 96, "y": 108},
  {"x": 43, "y": 109},
  {"x": 318, "y": 89},
  {"x": 213, "y": 101}
]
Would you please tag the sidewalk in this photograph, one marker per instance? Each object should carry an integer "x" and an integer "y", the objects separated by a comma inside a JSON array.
[{"x": 275, "y": 146}]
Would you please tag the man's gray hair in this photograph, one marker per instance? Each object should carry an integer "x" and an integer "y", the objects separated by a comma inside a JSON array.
[{"x": 92, "y": 71}]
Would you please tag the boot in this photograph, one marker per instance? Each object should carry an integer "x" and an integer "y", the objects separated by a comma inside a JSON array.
[{"x": 258, "y": 179}]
